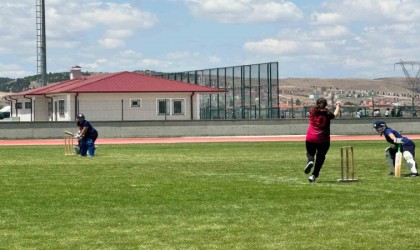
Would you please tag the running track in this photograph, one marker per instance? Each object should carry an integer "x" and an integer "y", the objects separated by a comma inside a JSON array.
[{"x": 197, "y": 139}]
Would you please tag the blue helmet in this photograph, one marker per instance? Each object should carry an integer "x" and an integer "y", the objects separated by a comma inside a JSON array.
[{"x": 380, "y": 126}]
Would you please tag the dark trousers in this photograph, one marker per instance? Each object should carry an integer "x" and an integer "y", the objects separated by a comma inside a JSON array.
[
  {"x": 88, "y": 144},
  {"x": 316, "y": 152}
]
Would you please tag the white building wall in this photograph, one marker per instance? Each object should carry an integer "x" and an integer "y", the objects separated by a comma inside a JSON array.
[
  {"x": 118, "y": 107},
  {"x": 68, "y": 114},
  {"x": 110, "y": 107},
  {"x": 40, "y": 105},
  {"x": 23, "y": 113}
]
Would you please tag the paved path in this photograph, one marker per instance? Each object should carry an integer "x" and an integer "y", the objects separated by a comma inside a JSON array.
[{"x": 102, "y": 141}]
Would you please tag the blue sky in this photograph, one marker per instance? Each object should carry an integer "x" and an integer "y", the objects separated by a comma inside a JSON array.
[{"x": 323, "y": 39}]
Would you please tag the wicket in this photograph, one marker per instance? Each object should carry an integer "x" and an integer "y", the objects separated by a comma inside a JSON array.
[
  {"x": 68, "y": 145},
  {"x": 347, "y": 159}
]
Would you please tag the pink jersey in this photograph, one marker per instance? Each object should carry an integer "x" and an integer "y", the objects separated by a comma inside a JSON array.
[{"x": 319, "y": 126}]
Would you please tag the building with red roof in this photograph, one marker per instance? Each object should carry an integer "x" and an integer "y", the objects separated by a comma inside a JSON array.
[{"x": 110, "y": 97}]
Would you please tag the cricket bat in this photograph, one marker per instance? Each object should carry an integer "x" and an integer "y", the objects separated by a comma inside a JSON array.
[{"x": 398, "y": 161}]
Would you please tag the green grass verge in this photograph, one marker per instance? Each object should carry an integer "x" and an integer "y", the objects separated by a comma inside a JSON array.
[{"x": 203, "y": 196}]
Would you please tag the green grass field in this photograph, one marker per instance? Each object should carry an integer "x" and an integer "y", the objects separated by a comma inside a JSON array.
[{"x": 203, "y": 196}]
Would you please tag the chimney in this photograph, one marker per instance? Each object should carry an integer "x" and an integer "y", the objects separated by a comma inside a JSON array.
[{"x": 75, "y": 72}]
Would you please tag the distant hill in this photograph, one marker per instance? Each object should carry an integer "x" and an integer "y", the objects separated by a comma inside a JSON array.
[{"x": 30, "y": 82}]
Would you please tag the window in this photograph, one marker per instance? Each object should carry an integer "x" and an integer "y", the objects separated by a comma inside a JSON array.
[
  {"x": 178, "y": 107},
  {"x": 61, "y": 108},
  {"x": 18, "y": 105},
  {"x": 28, "y": 105},
  {"x": 163, "y": 106},
  {"x": 135, "y": 103},
  {"x": 50, "y": 107},
  {"x": 171, "y": 106}
]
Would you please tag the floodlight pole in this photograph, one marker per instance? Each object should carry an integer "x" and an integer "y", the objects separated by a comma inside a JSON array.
[{"x": 41, "y": 43}]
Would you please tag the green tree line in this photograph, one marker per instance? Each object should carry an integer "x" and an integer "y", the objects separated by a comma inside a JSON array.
[{"x": 22, "y": 84}]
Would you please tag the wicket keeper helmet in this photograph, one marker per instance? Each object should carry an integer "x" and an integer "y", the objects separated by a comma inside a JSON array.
[
  {"x": 80, "y": 116},
  {"x": 380, "y": 126}
]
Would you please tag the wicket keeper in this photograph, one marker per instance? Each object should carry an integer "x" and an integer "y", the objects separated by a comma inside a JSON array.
[
  {"x": 87, "y": 136},
  {"x": 408, "y": 148}
]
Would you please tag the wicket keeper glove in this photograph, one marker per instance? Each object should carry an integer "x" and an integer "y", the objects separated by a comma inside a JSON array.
[{"x": 398, "y": 141}]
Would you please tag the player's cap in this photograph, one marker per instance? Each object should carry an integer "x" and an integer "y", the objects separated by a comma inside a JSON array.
[{"x": 80, "y": 116}]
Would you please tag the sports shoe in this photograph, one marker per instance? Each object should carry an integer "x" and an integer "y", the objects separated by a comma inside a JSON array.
[
  {"x": 312, "y": 178},
  {"x": 412, "y": 175},
  {"x": 391, "y": 174},
  {"x": 309, "y": 167}
]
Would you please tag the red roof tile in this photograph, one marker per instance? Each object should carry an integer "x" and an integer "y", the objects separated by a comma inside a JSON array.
[{"x": 122, "y": 82}]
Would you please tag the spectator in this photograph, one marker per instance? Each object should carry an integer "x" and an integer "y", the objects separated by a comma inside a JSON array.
[{"x": 358, "y": 113}]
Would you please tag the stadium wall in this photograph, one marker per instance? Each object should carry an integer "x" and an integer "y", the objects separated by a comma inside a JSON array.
[{"x": 144, "y": 129}]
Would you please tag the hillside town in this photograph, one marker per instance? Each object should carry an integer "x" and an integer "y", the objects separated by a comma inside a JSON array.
[{"x": 360, "y": 97}]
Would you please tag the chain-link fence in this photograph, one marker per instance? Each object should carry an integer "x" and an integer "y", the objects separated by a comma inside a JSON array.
[{"x": 252, "y": 91}]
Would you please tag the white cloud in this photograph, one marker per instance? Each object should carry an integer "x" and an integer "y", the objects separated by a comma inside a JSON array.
[
  {"x": 115, "y": 38},
  {"x": 17, "y": 26},
  {"x": 326, "y": 18},
  {"x": 111, "y": 43},
  {"x": 180, "y": 55},
  {"x": 245, "y": 11},
  {"x": 403, "y": 28},
  {"x": 67, "y": 19},
  {"x": 358, "y": 63},
  {"x": 352, "y": 35},
  {"x": 378, "y": 11},
  {"x": 97, "y": 64},
  {"x": 272, "y": 46},
  {"x": 323, "y": 36},
  {"x": 60, "y": 23},
  {"x": 129, "y": 53},
  {"x": 330, "y": 32},
  {"x": 119, "y": 15},
  {"x": 215, "y": 60},
  {"x": 8, "y": 70},
  {"x": 68, "y": 23},
  {"x": 120, "y": 33},
  {"x": 63, "y": 44},
  {"x": 150, "y": 63}
]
